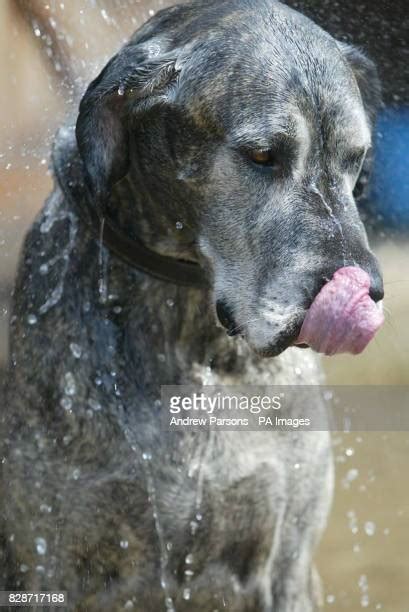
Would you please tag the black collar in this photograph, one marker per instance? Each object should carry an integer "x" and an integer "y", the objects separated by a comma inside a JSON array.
[{"x": 70, "y": 175}]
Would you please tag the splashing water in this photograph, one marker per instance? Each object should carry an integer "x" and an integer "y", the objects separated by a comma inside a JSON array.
[
  {"x": 363, "y": 587},
  {"x": 164, "y": 558},
  {"x": 52, "y": 216},
  {"x": 103, "y": 260},
  {"x": 164, "y": 547}
]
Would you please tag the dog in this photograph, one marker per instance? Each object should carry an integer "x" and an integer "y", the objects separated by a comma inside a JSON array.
[{"x": 210, "y": 176}]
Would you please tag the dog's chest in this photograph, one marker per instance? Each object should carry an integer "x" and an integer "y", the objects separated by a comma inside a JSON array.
[
  {"x": 227, "y": 505},
  {"x": 234, "y": 480}
]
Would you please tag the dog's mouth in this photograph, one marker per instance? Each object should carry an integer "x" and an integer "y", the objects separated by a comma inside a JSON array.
[{"x": 343, "y": 318}]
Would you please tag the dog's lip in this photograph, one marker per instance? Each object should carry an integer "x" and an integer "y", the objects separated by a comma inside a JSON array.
[
  {"x": 301, "y": 345},
  {"x": 285, "y": 340}
]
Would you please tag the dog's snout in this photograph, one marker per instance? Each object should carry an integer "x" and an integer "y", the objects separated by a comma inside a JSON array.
[{"x": 225, "y": 316}]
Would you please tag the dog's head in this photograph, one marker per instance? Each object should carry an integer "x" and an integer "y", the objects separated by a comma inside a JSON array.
[{"x": 248, "y": 125}]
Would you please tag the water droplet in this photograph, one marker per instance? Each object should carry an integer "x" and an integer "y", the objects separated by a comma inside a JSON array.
[
  {"x": 70, "y": 386},
  {"x": 124, "y": 544},
  {"x": 189, "y": 559},
  {"x": 154, "y": 50},
  {"x": 43, "y": 269},
  {"x": 363, "y": 583},
  {"x": 169, "y": 546},
  {"x": 23, "y": 568},
  {"x": 370, "y": 528},
  {"x": 330, "y": 599},
  {"x": 76, "y": 350},
  {"x": 349, "y": 452},
  {"x": 170, "y": 303},
  {"x": 66, "y": 403},
  {"x": 128, "y": 605},
  {"x": 193, "y": 527},
  {"x": 117, "y": 309},
  {"x": 31, "y": 319},
  {"x": 121, "y": 90},
  {"x": 186, "y": 594},
  {"x": 94, "y": 405},
  {"x": 352, "y": 475},
  {"x": 169, "y": 604},
  {"x": 353, "y": 522},
  {"x": 146, "y": 456},
  {"x": 76, "y": 473},
  {"x": 297, "y": 466},
  {"x": 41, "y": 546},
  {"x": 45, "y": 509},
  {"x": 179, "y": 225}
]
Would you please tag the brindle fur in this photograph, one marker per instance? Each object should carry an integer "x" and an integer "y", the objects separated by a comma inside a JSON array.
[{"x": 92, "y": 340}]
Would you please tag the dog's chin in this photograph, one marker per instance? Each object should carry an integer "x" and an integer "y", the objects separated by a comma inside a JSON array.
[{"x": 283, "y": 340}]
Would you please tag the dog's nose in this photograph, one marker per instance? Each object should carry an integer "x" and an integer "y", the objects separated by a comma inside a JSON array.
[
  {"x": 225, "y": 316},
  {"x": 376, "y": 291}
]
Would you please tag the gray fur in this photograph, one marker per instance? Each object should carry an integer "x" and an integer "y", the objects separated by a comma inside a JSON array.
[{"x": 92, "y": 340}]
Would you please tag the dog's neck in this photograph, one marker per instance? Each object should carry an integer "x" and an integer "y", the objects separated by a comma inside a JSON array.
[
  {"x": 170, "y": 335},
  {"x": 180, "y": 322},
  {"x": 173, "y": 334}
]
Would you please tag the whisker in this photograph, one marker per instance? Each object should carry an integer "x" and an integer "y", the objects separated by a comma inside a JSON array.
[{"x": 240, "y": 327}]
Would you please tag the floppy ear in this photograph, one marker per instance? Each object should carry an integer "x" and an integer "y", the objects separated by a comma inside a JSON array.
[
  {"x": 366, "y": 75},
  {"x": 128, "y": 83}
]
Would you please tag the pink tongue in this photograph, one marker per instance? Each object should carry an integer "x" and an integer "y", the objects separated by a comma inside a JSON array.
[{"x": 342, "y": 318}]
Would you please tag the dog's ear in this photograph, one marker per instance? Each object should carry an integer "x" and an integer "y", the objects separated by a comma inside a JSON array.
[
  {"x": 366, "y": 76},
  {"x": 130, "y": 82}
]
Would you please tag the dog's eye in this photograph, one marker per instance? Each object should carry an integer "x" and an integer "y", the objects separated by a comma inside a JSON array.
[
  {"x": 354, "y": 161},
  {"x": 262, "y": 158}
]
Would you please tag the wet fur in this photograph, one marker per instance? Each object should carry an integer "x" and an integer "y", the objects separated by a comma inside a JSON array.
[{"x": 92, "y": 340}]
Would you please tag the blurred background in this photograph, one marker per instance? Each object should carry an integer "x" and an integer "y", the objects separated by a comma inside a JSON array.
[{"x": 49, "y": 50}]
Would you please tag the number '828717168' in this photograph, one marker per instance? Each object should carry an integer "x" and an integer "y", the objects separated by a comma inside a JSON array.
[{"x": 33, "y": 599}]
